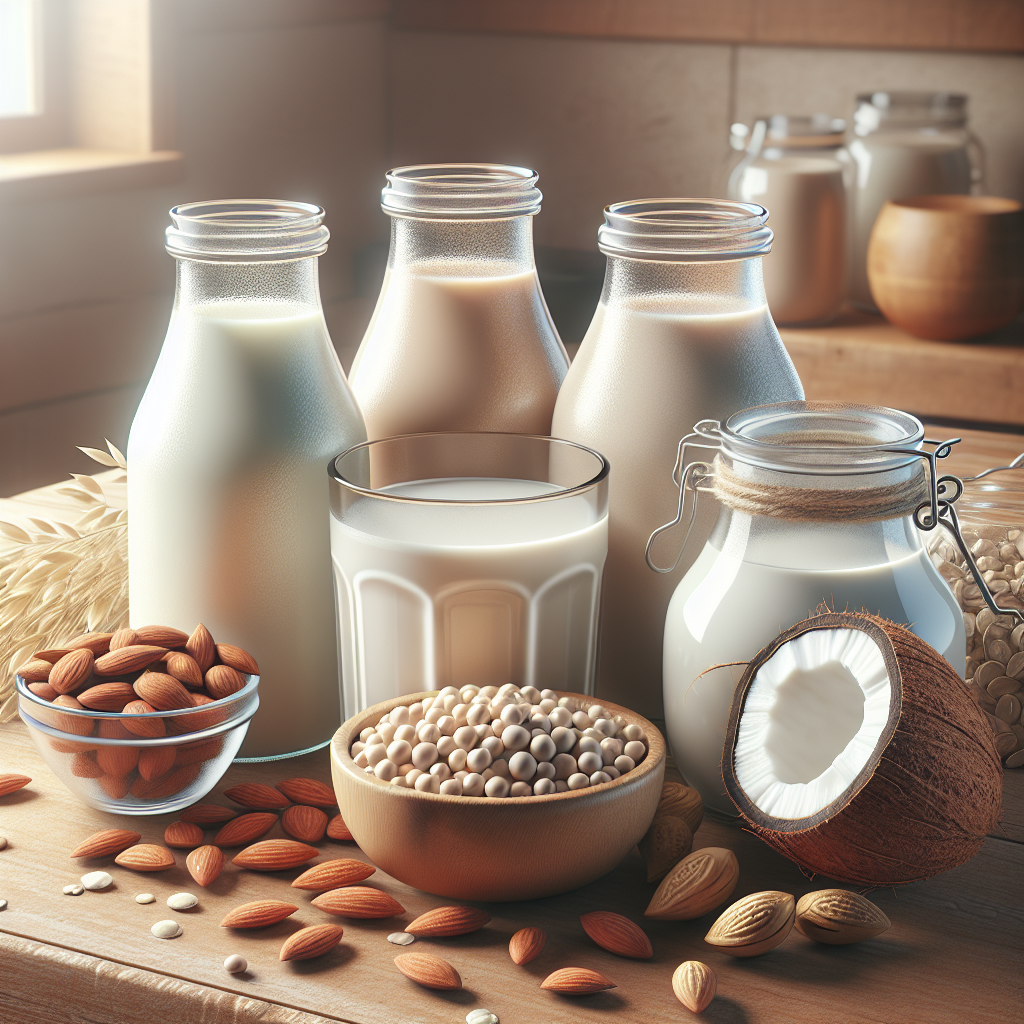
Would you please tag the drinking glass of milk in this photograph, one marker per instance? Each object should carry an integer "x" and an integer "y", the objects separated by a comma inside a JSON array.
[
  {"x": 906, "y": 144},
  {"x": 817, "y": 505},
  {"x": 467, "y": 558},
  {"x": 227, "y": 494},
  {"x": 461, "y": 338}
]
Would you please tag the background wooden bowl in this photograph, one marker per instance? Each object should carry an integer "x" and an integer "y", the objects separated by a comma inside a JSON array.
[
  {"x": 479, "y": 848},
  {"x": 948, "y": 267}
]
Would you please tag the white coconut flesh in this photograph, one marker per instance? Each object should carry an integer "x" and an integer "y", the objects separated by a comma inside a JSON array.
[{"x": 811, "y": 721}]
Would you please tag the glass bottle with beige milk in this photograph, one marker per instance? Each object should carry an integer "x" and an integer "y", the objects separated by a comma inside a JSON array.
[
  {"x": 461, "y": 338},
  {"x": 227, "y": 484},
  {"x": 798, "y": 169},
  {"x": 906, "y": 144},
  {"x": 682, "y": 333}
]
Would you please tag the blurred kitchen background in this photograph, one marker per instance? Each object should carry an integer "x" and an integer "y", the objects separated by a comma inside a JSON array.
[{"x": 149, "y": 103}]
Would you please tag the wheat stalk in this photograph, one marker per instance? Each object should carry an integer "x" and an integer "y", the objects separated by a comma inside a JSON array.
[{"x": 64, "y": 578}]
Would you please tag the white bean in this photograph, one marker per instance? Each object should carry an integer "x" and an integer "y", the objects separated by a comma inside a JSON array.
[
  {"x": 399, "y": 751},
  {"x": 385, "y": 770},
  {"x": 624, "y": 764},
  {"x": 375, "y": 754},
  {"x": 424, "y": 755},
  {"x": 457, "y": 760},
  {"x": 610, "y": 749},
  {"x": 598, "y": 777},
  {"x": 578, "y": 781},
  {"x": 493, "y": 746},
  {"x": 564, "y": 739},
  {"x": 587, "y": 744},
  {"x": 386, "y": 732},
  {"x": 541, "y": 787},
  {"x": 447, "y": 725},
  {"x": 521, "y": 789},
  {"x": 451, "y": 787},
  {"x": 428, "y": 784},
  {"x": 636, "y": 750},
  {"x": 478, "y": 714},
  {"x": 445, "y": 745},
  {"x": 440, "y": 771},
  {"x": 561, "y": 786},
  {"x": 465, "y": 737},
  {"x": 406, "y": 732},
  {"x": 522, "y": 766},
  {"x": 479, "y": 759},
  {"x": 581, "y": 720},
  {"x": 473, "y": 785},
  {"x": 561, "y": 717},
  {"x": 543, "y": 747},
  {"x": 545, "y": 770},
  {"x": 399, "y": 715},
  {"x": 515, "y": 737},
  {"x": 428, "y": 733},
  {"x": 547, "y": 706},
  {"x": 496, "y": 786},
  {"x": 633, "y": 732},
  {"x": 589, "y": 762},
  {"x": 565, "y": 765}
]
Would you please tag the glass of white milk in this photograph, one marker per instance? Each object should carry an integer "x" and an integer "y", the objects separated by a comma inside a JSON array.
[{"x": 467, "y": 558}]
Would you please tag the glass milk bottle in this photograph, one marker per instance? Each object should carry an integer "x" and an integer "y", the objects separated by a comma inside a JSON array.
[
  {"x": 682, "y": 330},
  {"x": 797, "y": 168},
  {"x": 461, "y": 338},
  {"x": 906, "y": 144},
  {"x": 817, "y": 503},
  {"x": 227, "y": 485}
]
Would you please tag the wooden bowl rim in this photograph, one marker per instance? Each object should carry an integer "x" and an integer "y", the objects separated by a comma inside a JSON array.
[
  {"x": 960, "y": 205},
  {"x": 341, "y": 743}
]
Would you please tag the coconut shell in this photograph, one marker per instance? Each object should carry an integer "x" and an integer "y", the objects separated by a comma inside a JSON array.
[{"x": 928, "y": 795}]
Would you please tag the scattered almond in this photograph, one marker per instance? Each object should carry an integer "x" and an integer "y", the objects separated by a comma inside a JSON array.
[
  {"x": 275, "y": 855},
  {"x": 753, "y": 925},
  {"x": 145, "y": 857},
  {"x": 305, "y": 823},
  {"x": 103, "y": 844},
  {"x": 446, "y": 921},
  {"x": 208, "y": 814},
  {"x": 576, "y": 981},
  {"x": 308, "y": 791},
  {"x": 123, "y": 638},
  {"x": 162, "y": 636},
  {"x": 222, "y": 681},
  {"x": 695, "y": 985},
  {"x": 256, "y": 795},
  {"x": 667, "y": 841},
  {"x": 360, "y": 901},
  {"x": 429, "y": 971},
  {"x": 679, "y": 801},
  {"x": 258, "y": 914},
  {"x": 245, "y": 829},
  {"x": 205, "y": 864},
  {"x": 526, "y": 945},
  {"x": 162, "y": 691},
  {"x": 12, "y": 783},
  {"x": 183, "y": 835},
  {"x": 308, "y": 943},
  {"x": 338, "y": 830},
  {"x": 139, "y": 724},
  {"x": 71, "y": 671},
  {"x": 127, "y": 659},
  {"x": 697, "y": 884},
  {"x": 333, "y": 874},
  {"x": 617, "y": 934},
  {"x": 201, "y": 648},
  {"x": 234, "y": 657},
  {"x": 837, "y": 917},
  {"x": 184, "y": 668}
]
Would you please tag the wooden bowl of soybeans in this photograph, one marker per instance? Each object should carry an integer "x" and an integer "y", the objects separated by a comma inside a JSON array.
[{"x": 510, "y": 845}]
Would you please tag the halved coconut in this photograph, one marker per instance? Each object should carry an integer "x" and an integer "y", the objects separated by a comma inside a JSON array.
[{"x": 855, "y": 749}]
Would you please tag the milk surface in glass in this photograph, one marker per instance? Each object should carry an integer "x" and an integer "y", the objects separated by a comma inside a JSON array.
[{"x": 449, "y": 594}]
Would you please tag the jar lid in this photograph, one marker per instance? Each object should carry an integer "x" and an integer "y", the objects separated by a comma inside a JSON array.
[
  {"x": 685, "y": 230},
  {"x": 246, "y": 231},
  {"x": 819, "y": 131},
  {"x": 909, "y": 109},
  {"x": 461, "y": 192}
]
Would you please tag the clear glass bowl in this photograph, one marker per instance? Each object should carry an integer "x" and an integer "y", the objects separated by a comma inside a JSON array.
[{"x": 103, "y": 760}]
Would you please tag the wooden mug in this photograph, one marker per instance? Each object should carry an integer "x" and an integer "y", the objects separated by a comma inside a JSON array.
[{"x": 948, "y": 267}]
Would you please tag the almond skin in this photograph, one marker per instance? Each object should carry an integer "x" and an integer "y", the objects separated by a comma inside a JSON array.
[
  {"x": 162, "y": 691},
  {"x": 275, "y": 855},
  {"x": 107, "y": 697},
  {"x": 123, "y": 638},
  {"x": 681, "y": 801},
  {"x": 43, "y": 690},
  {"x": 84, "y": 766},
  {"x": 36, "y": 671},
  {"x": 837, "y": 917},
  {"x": 576, "y": 981},
  {"x": 308, "y": 792},
  {"x": 338, "y": 830},
  {"x": 696, "y": 885},
  {"x": 103, "y": 844},
  {"x": 241, "y": 661},
  {"x": 145, "y": 857},
  {"x": 185, "y": 669},
  {"x": 526, "y": 945},
  {"x": 695, "y": 985},
  {"x": 183, "y": 835},
  {"x": 243, "y": 830},
  {"x": 222, "y": 681},
  {"x": 447, "y": 921},
  {"x": 205, "y": 864},
  {"x": 117, "y": 761},
  {"x": 98, "y": 643},
  {"x": 429, "y": 971},
  {"x": 257, "y": 796},
  {"x": 72, "y": 670},
  {"x": 115, "y": 786},
  {"x": 208, "y": 814},
  {"x": 753, "y": 925},
  {"x": 127, "y": 659},
  {"x": 308, "y": 943},
  {"x": 307, "y": 824},
  {"x": 617, "y": 934},
  {"x": 162, "y": 636},
  {"x": 332, "y": 874},
  {"x": 139, "y": 725},
  {"x": 156, "y": 762},
  {"x": 360, "y": 901},
  {"x": 258, "y": 914},
  {"x": 201, "y": 648}
]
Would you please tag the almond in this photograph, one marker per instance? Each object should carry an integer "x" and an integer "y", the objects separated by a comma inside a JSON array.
[
  {"x": 429, "y": 971},
  {"x": 36, "y": 671},
  {"x": 162, "y": 636},
  {"x": 305, "y": 823},
  {"x": 169, "y": 784},
  {"x": 185, "y": 669},
  {"x": 103, "y": 844},
  {"x": 338, "y": 830},
  {"x": 236, "y": 658},
  {"x": 201, "y": 648},
  {"x": 208, "y": 814},
  {"x": 358, "y": 901},
  {"x": 52, "y": 656},
  {"x": 107, "y": 697},
  {"x": 222, "y": 681},
  {"x": 98, "y": 643},
  {"x": 245, "y": 829},
  {"x": 697, "y": 884},
  {"x": 145, "y": 857},
  {"x": 71, "y": 671},
  {"x": 77, "y": 725},
  {"x": 332, "y": 874},
  {"x": 753, "y": 925},
  {"x": 71, "y": 746},
  {"x": 526, "y": 945},
  {"x": 162, "y": 691},
  {"x": 199, "y": 720},
  {"x": 155, "y": 762},
  {"x": 446, "y": 921},
  {"x": 837, "y": 917},
  {"x": 115, "y": 786},
  {"x": 117, "y": 761},
  {"x": 84, "y": 766},
  {"x": 255, "y": 794},
  {"x": 258, "y": 914},
  {"x": 667, "y": 841},
  {"x": 576, "y": 981},
  {"x": 275, "y": 855},
  {"x": 679, "y": 801},
  {"x": 183, "y": 835},
  {"x": 127, "y": 659},
  {"x": 695, "y": 985},
  {"x": 309, "y": 792},
  {"x": 44, "y": 691},
  {"x": 123, "y": 638},
  {"x": 199, "y": 753},
  {"x": 617, "y": 934},
  {"x": 112, "y": 729},
  {"x": 204, "y": 864},
  {"x": 138, "y": 725},
  {"x": 308, "y": 943}
]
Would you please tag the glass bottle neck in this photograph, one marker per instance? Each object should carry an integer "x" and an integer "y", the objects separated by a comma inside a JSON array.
[
  {"x": 294, "y": 282},
  {"x": 468, "y": 248}
]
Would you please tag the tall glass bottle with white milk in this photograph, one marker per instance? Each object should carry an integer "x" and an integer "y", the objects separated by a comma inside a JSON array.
[
  {"x": 682, "y": 333},
  {"x": 228, "y": 452},
  {"x": 461, "y": 338}
]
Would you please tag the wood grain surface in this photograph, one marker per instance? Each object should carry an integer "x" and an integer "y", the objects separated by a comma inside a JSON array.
[{"x": 952, "y": 954}]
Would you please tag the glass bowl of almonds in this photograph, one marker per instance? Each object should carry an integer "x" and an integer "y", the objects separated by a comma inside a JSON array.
[
  {"x": 497, "y": 793},
  {"x": 139, "y": 721}
]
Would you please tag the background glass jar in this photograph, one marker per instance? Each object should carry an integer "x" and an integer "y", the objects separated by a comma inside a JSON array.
[
  {"x": 798, "y": 169},
  {"x": 906, "y": 144},
  {"x": 814, "y": 509}
]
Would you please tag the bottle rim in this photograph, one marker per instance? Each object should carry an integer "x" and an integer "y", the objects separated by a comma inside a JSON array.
[
  {"x": 685, "y": 230},
  {"x": 909, "y": 108},
  {"x": 817, "y": 131},
  {"x": 246, "y": 231},
  {"x": 457, "y": 192}
]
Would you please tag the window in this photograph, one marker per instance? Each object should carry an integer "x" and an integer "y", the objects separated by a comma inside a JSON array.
[{"x": 19, "y": 62}]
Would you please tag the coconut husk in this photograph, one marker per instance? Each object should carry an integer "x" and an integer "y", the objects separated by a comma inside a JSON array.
[{"x": 925, "y": 799}]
